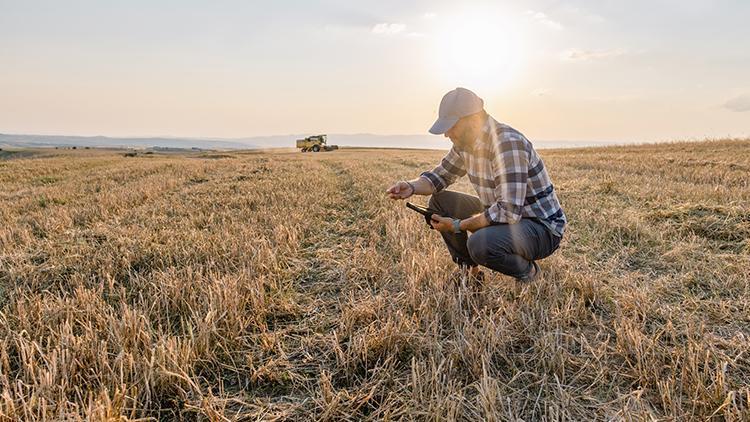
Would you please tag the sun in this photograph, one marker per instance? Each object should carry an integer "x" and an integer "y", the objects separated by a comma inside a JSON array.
[{"x": 479, "y": 52}]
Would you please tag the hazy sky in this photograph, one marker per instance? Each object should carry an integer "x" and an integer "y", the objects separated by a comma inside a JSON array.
[{"x": 578, "y": 70}]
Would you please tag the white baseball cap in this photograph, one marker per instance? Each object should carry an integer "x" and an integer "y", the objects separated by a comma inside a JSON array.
[{"x": 456, "y": 104}]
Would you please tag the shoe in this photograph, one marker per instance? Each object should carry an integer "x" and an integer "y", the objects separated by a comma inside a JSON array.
[{"x": 534, "y": 276}]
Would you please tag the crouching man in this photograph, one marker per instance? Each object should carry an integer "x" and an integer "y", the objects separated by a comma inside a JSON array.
[{"x": 516, "y": 218}]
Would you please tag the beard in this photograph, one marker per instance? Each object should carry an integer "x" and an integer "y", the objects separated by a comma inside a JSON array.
[{"x": 464, "y": 141}]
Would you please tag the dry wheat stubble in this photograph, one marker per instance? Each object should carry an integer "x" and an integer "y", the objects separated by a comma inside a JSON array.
[{"x": 285, "y": 286}]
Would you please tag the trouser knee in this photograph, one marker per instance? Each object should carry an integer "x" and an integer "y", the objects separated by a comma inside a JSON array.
[
  {"x": 435, "y": 202},
  {"x": 478, "y": 248},
  {"x": 497, "y": 256}
]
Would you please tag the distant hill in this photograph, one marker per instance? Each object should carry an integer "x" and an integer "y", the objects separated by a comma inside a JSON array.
[
  {"x": 276, "y": 141},
  {"x": 104, "y": 141},
  {"x": 355, "y": 140}
]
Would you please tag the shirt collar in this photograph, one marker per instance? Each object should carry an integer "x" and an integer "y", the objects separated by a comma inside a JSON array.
[{"x": 487, "y": 129}]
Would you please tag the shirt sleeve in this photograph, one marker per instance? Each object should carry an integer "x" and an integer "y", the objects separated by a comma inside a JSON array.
[
  {"x": 447, "y": 172},
  {"x": 511, "y": 172}
]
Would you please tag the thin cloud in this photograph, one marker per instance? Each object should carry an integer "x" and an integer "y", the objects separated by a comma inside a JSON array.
[
  {"x": 429, "y": 15},
  {"x": 579, "y": 14},
  {"x": 388, "y": 28},
  {"x": 738, "y": 104},
  {"x": 584, "y": 55},
  {"x": 544, "y": 19}
]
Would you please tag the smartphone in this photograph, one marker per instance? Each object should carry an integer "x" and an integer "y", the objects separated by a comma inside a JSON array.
[
  {"x": 426, "y": 212},
  {"x": 422, "y": 210}
]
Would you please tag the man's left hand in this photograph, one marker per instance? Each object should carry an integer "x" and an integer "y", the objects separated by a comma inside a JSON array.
[{"x": 442, "y": 224}]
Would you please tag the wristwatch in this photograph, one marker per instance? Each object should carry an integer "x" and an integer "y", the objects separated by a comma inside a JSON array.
[{"x": 456, "y": 226}]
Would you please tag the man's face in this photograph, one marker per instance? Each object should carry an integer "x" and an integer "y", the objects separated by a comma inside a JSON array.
[{"x": 462, "y": 134}]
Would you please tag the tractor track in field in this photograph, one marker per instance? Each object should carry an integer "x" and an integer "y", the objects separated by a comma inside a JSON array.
[{"x": 319, "y": 281}]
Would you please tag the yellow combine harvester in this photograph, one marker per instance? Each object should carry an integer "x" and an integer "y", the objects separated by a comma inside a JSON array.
[{"x": 315, "y": 143}]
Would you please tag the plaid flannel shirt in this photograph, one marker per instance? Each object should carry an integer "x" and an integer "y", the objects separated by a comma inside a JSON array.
[{"x": 508, "y": 176}]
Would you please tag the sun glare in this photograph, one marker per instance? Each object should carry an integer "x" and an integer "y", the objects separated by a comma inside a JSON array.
[{"x": 479, "y": 53}]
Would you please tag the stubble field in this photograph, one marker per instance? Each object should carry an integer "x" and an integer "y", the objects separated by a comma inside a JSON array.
[{"x": 280, "y": 285}]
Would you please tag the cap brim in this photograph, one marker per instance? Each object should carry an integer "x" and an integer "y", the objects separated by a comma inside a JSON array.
[{"x": 443, "y": 125}]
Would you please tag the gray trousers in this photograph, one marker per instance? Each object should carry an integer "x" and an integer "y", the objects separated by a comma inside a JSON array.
[{"x": 507, "y": 248}]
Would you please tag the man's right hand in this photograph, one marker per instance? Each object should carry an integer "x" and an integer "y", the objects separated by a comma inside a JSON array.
[{"x": 401, "y": 190}]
